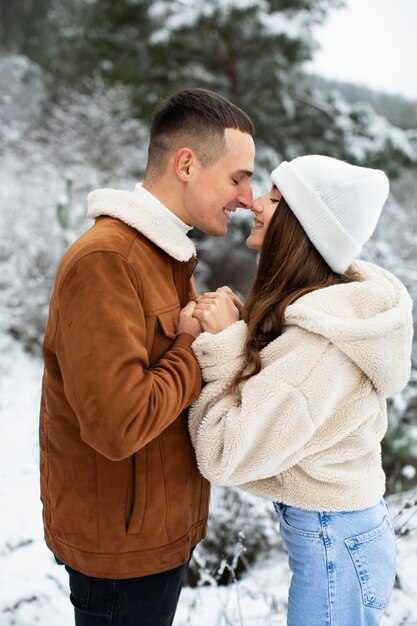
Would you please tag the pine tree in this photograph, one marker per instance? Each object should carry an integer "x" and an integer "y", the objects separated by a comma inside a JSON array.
[{"x": 249, "y": 51}]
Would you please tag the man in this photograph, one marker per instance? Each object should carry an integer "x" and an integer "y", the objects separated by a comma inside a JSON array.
[{"x": 124, "y": 503}]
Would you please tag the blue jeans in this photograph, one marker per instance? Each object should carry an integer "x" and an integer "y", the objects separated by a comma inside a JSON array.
[
  {"x": 342, "y": 564},
  {"x": 144, "y": 601}
]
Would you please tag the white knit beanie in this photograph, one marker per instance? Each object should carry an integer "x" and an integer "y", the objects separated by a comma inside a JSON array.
[{"x": 337, "y": 204}]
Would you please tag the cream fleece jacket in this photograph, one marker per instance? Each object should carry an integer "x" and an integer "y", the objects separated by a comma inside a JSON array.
[{"x": 308, "y": 426}]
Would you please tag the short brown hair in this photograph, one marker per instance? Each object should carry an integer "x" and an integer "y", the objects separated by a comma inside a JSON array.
[{"x": 196, "y": 118}]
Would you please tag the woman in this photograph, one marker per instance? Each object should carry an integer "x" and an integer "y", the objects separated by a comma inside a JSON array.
[{"x": 294, "y": 408}]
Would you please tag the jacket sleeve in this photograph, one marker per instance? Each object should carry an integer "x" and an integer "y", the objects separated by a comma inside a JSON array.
[
  {"x": 120, "y": 401},
  {"x": 259, "y": 436}
]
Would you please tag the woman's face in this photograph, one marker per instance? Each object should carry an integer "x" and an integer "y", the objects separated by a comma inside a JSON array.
[{"x": 263, "y": 209}]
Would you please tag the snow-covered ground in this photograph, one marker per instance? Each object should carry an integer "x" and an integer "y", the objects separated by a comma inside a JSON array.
[{"x": 34, "y": 590}]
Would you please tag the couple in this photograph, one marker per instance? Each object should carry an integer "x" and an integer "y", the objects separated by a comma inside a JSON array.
[{"x": 296, "y": 378}]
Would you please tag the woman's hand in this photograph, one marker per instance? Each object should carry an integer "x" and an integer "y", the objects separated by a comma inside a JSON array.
[
  {"x": 215, "y": 311},
  {"x": 236, "y": 301},
  {"x": 187, "y": 323}
]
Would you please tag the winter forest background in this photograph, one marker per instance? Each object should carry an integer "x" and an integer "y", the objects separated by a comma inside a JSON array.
[{"x": 78, "y": 81}]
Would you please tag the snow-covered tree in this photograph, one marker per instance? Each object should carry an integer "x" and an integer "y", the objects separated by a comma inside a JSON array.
[
  {"x": 250, "y": 51},
  {"x": 50, "y": 158}
]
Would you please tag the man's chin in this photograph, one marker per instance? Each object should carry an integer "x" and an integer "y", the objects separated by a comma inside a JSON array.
[{"x": 215, "y": 232}]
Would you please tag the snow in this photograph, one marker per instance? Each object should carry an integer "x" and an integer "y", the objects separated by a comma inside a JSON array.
[
  {"x": 187, "y": 13},
  {"x": 34, "y": 589},
  {"x": 409, "y": 472},
  {"x": 291, "y": 26},
  {"x": 376, "y": 133}
]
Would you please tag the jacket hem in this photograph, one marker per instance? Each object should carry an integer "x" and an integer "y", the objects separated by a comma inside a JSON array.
[{"x": 128, "y": 564}]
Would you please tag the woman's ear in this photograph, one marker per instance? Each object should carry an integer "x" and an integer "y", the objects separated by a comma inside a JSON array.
[{"x": 184, "y": 162}]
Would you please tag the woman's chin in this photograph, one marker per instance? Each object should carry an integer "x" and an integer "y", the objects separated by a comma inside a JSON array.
[{"x": 252, "y": 243}]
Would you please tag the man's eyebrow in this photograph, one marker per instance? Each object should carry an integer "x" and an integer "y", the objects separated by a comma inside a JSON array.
[{"x": 248, "y": 173}]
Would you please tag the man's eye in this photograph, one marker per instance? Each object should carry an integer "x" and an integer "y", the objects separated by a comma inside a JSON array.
[{"x": 236, "y": 182}]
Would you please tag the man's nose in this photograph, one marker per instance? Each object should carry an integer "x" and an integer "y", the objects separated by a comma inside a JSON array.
[{"x": 245, "y": 198}]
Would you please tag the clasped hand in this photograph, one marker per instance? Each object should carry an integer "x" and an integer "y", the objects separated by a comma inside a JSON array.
[{"x": 211, "y": 312}]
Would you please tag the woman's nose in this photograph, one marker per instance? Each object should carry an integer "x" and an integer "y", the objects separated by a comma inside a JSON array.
[{"x": 256, "y": 206}]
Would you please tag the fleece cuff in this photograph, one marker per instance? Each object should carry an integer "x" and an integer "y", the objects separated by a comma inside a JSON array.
[{"x": 221, "y": 355}]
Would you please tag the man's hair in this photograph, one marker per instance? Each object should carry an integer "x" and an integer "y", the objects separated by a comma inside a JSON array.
[{"x": 194, "y": 118}]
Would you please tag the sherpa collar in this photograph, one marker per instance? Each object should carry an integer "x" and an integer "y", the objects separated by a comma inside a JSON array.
[{"x": 141, "y": 210}]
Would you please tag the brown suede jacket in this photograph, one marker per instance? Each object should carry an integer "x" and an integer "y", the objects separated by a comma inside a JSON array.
[{"x": 120, "y": 487}]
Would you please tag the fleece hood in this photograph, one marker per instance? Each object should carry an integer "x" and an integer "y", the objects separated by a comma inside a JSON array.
[
  {"x": 370, "y": 321},
  {"x": 141, "y": 210}
]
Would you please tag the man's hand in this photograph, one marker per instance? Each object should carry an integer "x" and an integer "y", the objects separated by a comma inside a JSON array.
[
  {"x": 215, "y": 311},
  {"x": 187, "y": 323}
]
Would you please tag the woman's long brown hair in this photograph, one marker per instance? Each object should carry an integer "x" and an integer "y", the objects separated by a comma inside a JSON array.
[{"x": 289, "y": 267}]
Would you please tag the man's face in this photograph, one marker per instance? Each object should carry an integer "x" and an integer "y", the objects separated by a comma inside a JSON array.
[{"x": 213, "y": 193}]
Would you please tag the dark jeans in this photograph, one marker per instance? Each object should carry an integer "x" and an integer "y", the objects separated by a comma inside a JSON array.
[{"x": 144, "y": 601}]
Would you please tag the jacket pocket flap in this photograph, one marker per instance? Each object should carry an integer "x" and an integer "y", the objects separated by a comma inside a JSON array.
[{"x": 168, "y": 323}]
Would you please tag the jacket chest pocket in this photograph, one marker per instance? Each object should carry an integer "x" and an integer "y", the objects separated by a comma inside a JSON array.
[{"x": 165, "y": 333}]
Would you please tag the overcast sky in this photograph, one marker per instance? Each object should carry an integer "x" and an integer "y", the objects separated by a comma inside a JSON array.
[{"x": 371, "y": 42}]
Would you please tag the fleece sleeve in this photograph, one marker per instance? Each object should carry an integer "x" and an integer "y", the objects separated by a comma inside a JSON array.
[
  {"x": 120, "y": 401},
  {"x": 262, "y": 434}
]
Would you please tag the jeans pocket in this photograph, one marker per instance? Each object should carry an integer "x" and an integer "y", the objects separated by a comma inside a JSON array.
[
  {"x": 299, "y": 522},
  {"x": 79, "y": 588},
  {"x": 373, "y": 555},
  {"x": 93, "y": 596}
]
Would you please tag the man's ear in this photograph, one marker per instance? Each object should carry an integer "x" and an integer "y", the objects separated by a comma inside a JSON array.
[{"x": 184, "y": 163}]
